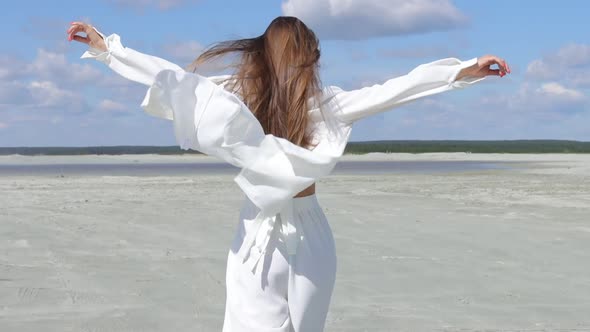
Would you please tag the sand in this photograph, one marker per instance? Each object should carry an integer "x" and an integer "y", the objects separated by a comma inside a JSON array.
[{"x": 488, "y": 250}]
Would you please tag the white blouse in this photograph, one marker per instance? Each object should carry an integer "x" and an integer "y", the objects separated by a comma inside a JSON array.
[{"x": 212, "y": 120}]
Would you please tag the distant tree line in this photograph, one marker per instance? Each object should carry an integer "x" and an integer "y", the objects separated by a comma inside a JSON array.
[
  {"x": 99, "y": 150},
  {"x": 513, "y": 146}
]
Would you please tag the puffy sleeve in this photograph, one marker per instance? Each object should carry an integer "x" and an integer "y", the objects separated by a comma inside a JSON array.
[
  {"x": 127, "y": 62},
  {"x": 216, "y": 122},
  {"x": 136, "y": 66},
  {"x": 425, "y": 80}
]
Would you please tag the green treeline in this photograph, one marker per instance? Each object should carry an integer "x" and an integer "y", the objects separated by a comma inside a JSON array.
[
  {"x": 514, "y": 146},
  {"x": 111, "y": 150}
]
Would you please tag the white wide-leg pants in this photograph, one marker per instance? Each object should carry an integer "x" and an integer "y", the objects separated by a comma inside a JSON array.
[{"x": 286, "y": 294}]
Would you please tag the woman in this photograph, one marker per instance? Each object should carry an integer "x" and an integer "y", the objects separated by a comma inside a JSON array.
[{"x": 272, "y": 119}]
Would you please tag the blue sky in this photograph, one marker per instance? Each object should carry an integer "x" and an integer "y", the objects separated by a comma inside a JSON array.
[{"x": 51, "y": 97}]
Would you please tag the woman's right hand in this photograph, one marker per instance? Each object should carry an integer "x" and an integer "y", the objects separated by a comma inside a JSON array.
[{"x": 92, "y": 39}]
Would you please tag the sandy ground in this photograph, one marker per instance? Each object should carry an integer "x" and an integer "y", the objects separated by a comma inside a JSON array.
[{"x": 493, "y": 250}]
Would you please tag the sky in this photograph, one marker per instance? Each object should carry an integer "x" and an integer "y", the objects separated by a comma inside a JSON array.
[{"x": 51, "y": 97}]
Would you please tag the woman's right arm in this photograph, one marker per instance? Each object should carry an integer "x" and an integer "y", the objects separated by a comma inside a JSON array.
[{"x": 125, "y": 61}]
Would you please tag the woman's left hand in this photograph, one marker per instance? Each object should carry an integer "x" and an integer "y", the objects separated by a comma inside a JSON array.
[
  {"x": 483, "y": 67},
  {"x": 92, "y": 39},
  {"x": 485, "y": 62}
]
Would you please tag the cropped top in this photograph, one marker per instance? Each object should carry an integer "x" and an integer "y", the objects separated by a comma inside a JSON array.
[{"x": 214, "y": 121}]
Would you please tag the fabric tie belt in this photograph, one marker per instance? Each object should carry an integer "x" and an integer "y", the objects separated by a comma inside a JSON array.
[{"x": 256, "y": 241}]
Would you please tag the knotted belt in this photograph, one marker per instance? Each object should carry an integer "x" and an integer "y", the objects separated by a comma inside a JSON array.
[{"x": 255, "y": 243}]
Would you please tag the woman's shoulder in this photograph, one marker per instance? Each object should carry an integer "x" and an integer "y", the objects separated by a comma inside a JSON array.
[
  {"x": 324, "y": 107},
  {"x": 325, "y": 97},
  {"x": 330, "y": 91}
]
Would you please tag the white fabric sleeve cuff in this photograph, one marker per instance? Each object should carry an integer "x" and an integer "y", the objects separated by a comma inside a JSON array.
[
  {"x": 113, "y": 44},
  {"x": 466, "y": 80}
]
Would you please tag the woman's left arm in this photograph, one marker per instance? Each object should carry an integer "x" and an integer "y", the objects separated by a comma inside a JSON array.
[
  {"x": 425, "y": 80},
  {"x": 482, "y": 68}
]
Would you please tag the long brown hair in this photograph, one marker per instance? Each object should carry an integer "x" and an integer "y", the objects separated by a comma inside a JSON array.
[{"x": 277, "y": 72}]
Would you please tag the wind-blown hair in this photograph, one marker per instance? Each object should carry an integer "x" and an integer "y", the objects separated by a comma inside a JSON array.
[{"x": 276, "y": 73}]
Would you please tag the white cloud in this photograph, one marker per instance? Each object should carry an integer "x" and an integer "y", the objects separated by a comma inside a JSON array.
[
  {"x": 48, "y": 94},
  {"x": 111, "y": 106},
  {"x": 361, "y": 19},
  {"x": 570, "y": 64},
  {"x": 50, "y": 81},
  {"x": 556, "y": 90},
  {"x": 51, "y": 85},
  {"x": 540, "y": 70},
  {"x": 3, "y": 125},
  {"x": 548, "y": 98},
  {"x": 45, "y": 96},
  {"x": 51, "y": 65}
]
